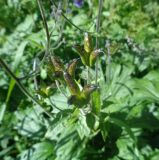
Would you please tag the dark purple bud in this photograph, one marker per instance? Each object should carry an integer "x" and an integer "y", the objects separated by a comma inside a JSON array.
[{"x": 78, "y": 3}]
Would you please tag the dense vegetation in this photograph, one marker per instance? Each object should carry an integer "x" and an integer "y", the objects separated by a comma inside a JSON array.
[{"x": 79, "y": 80}]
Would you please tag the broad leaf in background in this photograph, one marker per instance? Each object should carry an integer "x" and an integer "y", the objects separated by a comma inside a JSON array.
[{"x": 40, "y": 151}]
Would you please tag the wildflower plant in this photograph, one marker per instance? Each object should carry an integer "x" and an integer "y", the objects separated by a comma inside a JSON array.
[{"x": 92, "y": 91}]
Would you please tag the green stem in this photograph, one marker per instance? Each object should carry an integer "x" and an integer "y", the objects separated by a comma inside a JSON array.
[
  {"x": 35, "y": 77},
  {"x": 108, "y": 61},
  {"x": 88, "y": 75},
  {"x": 44, "y": 20},
  {"x": 58, "y": 86},
  {"x": 45, "y": 26},
  {"x": 22, "y": 88},
  {"x": 54, "y": 105},
  {"x": 97, "y": 30}
]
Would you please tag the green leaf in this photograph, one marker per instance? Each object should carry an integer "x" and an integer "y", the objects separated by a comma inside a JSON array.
[
  {"x": 96, "y": 102},
  {"x": 2, "y": 111},
  {"x": 104, "y": 131},
  {"x": 29, "y": 123},
  {"x": 19, "y": 54},
  {"x": 145, "y": 90},
  {"x": 90, "y": 120},
  {"x": 83, "y": 54},
  {"x": 123, "y": 124},
  {"x": 82, "y": 128},
  {"x": 18, "y": 57},
  {"x": 152, "y": 76},
  {"x": 39, "y": 151}
]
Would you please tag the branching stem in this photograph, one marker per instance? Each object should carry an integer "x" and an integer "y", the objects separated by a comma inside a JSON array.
[{"x": 63, "y": 15}]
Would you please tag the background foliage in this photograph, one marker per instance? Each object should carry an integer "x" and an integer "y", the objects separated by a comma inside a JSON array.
[{"x": 123, "y": 122}]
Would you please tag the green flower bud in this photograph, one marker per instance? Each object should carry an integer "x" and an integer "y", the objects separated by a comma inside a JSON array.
[
  {"x": 71, "y": 67},
  {"x": 57, "y": 63},
  {"x": 71, "y": 83},
  {"x": 82, "y": 53},
  {"x": 87, "y": 43},
  {"x": 93, "y": 56}
]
